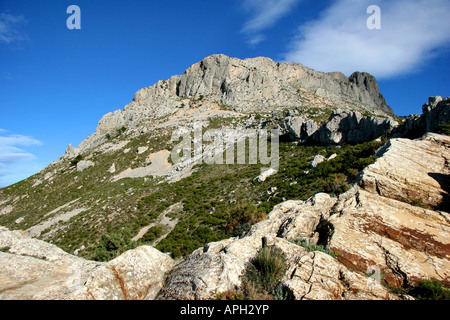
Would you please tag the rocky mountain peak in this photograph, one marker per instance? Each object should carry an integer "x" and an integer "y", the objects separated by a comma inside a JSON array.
[{"x": 250, "y": 85}]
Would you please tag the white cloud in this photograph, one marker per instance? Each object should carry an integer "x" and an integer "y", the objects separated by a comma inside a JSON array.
[
  {"x": 264, "y": 14},
  {"x": 412, "y": 32},
  {"x": 10, "y": 28},
  {"x": 15, "y": 162}
]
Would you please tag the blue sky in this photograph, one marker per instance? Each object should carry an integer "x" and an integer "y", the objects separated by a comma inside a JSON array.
[{"x": 56, "y": 83}]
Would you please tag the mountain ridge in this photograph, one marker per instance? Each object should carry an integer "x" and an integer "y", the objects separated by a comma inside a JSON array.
[{"x": 245, "y": 86}]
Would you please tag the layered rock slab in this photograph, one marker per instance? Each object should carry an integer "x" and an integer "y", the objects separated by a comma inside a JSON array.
[{"x": 32, "y": 269}]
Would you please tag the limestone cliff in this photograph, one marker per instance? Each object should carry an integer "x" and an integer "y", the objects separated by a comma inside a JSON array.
[{"x": 245, "y": 86}]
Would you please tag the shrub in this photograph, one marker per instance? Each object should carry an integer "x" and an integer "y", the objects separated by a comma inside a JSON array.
[
  {"x": 111, "y": 246},
  {"x": 75, "y": 160},
  {"x": 313, "y": 247},
  {"x": 266, "y": 269},
  {"x": 5, "y": 249},
  {"x": 242, "y": 217},
  {"x": 152, "y": 234},
  {"x": 430, "y": 290},
  {"x": 444, "y": 128}
]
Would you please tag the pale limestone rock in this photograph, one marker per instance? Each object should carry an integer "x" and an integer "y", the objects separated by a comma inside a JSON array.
[
  {"x": 35, "y": 270},
  {"x": 367, "y": 232},
  {"x": 416, "y": 171},
  {"x": 112, "y": 169},
  {"x": 218, "y": 266},
  {"x": 351, "y": 127},
  {"x": 84, "y": 164},
  {"x": 135, "y": 275},
  {"x": 264, "y": 175},
  {"x": 71, "y": 152},
  {"x": 19, "y": 220},
  {"x": 245, "y": 86},
  {"x": 6, "y": 210},
  {"x": 141, "y": 150},
  {"x": 317, "y": 160}
]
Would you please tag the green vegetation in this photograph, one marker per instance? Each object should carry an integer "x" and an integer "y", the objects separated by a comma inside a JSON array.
[
  {"x": 444, "y": 128},
  {"x": 152, "y": 234},
  {"x": 430, "y": 290},
  {"x": 119, "y": 132},
  {"x": 240, "y": 219},
  {"x": 218, "y": 201},
  {"x": 424, "y": 290},
  {"x": 75, "y": 160},
  {"x": 266, "y": 270},
  {"x": 313, "y": 247},
  {"x": 112, "y": 245},
  {"x": 261, "y": 278}
]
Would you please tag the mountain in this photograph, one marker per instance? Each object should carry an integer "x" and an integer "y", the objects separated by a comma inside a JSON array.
[{"x": 177, "y": 192}]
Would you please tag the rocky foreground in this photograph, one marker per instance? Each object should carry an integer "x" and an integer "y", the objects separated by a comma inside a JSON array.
[{"x": 392, "y": 226}]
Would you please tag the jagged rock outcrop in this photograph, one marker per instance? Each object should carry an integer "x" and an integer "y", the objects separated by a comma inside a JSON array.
[
  {"x": 217, "y": 267},
  {"x": 32, "y": 269},
  {"x": 412, "y": 171},
  {"x": 341, "y": 127},
  {"x": 435, "y": 112},
  {"x": 84, "y": 164},
  {"x": 299, "y": 128},
  {"x": 352, "y": 127},
  {"x": 245, "y": 86},
  {"x": 134, "y": 275}
]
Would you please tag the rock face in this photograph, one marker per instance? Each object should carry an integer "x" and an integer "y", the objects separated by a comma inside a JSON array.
[
  {"x": 377, "y": 224},
  {"x": 299, "y": 128},
  {"x": 417, "y": 172},
  {"x": 135, "y": 275},
  {"x": 35, "y": 270},
  {"x": 352, "y": 127},
  {"x": 245, "y": 86},
  {"x": 341, "y": 127},
  {"x": 436, "y": 111},
  {"x": 217, "y": 267},
  {"x": 84, "y": 164}
]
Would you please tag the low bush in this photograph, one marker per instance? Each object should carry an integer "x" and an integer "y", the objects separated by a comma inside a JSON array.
[
  {"x": 75, "y": 160},
  {"x": 430, "y": 290},
  {"x": 265, "y": 270}
]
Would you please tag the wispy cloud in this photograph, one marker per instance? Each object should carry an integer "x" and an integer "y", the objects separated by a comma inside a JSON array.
[
  {"x": 11, "y": 29},
  {"x": 263, "y": 15},
  {"x": 15, "y": 162},
  {"x": 412, "y": 32}
]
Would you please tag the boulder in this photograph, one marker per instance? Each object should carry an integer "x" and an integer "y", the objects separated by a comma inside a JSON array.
[
  {"x": 84, "y": 164},
  {"x": 299, "y": 128},
  {"x": 374, "y": 236},
  {"x": 112, "y": 169},
  {"x": 317, "y": 160},
  {"x": 135, "y": 275},
  {"x": 264, "y": 175},
  {"x": 35, "y": 270}
]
